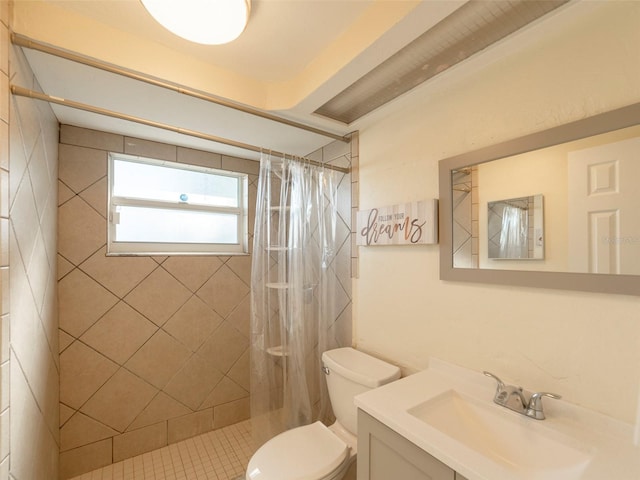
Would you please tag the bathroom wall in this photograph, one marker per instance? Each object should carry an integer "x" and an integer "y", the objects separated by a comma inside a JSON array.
[
  {"x": 153, "y": 350},
  {"x": 584, "y": 346},
  {"x": 28, "y": 210}
]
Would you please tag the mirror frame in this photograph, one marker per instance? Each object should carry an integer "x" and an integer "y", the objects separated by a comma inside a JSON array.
[{"x": 604, "y": 283}]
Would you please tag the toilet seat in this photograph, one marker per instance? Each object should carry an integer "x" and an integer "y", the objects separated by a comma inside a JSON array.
[{"x": 311, "y": 452}]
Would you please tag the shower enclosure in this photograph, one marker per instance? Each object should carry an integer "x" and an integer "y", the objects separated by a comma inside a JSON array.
[{"x": 294, "y": 286}]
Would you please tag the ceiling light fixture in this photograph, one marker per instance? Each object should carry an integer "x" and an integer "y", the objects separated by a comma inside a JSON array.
[{"x": 210, "y": 22}]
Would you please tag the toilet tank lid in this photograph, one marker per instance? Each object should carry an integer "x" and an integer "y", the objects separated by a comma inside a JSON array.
[{"x": 360, "y": 367}]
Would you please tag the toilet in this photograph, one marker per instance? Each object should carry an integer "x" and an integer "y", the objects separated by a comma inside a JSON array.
[{"x": 317, "y": 452}]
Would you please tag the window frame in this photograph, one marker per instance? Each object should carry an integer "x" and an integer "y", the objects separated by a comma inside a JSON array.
[{"x": 115, "y": 248}]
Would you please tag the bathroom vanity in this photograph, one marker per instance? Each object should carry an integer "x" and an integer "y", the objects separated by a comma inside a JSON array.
[
  {"x": 384, "y": 454},
  {"x": 442, "y": 424}
]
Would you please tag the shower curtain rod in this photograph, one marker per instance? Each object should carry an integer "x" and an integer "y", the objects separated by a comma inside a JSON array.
[
  {"x": 25, "y": 92},
  {"x": 23, "y": 41}
]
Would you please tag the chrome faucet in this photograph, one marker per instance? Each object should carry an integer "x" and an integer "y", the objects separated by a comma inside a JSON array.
[{"x": 514, "y": 398}]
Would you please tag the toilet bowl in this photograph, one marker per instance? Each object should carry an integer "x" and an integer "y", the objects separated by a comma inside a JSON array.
[{"x": 318, "y": 452}]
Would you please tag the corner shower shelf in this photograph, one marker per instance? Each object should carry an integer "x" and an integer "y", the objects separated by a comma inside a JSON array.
[
  {"x": 278, "y": 351},
  {"x": 278, "y": 285}
]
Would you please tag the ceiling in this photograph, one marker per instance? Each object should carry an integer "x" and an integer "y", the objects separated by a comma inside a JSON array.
[{"x": 294, "y": 56}]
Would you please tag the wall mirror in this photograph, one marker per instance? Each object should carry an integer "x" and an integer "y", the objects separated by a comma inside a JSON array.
[{"x": 585, "y": 175}]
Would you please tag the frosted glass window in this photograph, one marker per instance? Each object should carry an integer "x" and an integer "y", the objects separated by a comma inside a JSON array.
[
  {"x": 158, "y": 207},
  {"x": 140, "y": 224},
  {"x": 172, "y": 184}
]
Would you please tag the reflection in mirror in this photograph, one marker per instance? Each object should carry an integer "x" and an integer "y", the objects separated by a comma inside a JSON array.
[
  {"x": 591, "y": 195},
  {"x": 515, "y": 228},
  {"x": 588, "y": 172}
]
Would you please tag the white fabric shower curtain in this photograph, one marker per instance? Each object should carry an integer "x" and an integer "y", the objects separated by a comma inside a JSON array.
[{"x": 292, "y": 294}]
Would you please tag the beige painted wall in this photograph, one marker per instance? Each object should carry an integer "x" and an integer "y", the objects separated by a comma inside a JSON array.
[{"x": 583, "y": 346}]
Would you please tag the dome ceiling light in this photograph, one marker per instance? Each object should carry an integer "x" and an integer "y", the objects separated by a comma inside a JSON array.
[{"x": 209, "y": 22}]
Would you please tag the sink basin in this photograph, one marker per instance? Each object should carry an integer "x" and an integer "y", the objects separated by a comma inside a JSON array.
[{"x": 522, "y": 445}]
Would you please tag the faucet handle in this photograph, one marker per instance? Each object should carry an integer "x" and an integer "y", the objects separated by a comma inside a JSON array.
[
  {"x": 534, "y": 409},
  {"x": 495, "y": 377}
]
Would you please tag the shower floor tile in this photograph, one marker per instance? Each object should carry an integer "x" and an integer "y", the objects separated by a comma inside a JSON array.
[{"x": 218, "y": 455}]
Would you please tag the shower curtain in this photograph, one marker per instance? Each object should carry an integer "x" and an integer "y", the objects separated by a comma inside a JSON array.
[
  {"x": 292, "y": 294},
  {"x": 514, "y": 233}
]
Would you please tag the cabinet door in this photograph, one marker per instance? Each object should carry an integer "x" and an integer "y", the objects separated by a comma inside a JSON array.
[
  {"x": 460, "y": 477},
  {"x": 383, "y": 455}
]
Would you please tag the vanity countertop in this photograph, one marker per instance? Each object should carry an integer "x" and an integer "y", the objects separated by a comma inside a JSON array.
[{"x": 607, "y": 444}]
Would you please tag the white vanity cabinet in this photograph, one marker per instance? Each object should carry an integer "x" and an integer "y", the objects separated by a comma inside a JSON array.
[{"x": 385, "y": 455}]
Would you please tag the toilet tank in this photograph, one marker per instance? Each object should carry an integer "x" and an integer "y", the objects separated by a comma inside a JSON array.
[{"x": 350, "y": 372}]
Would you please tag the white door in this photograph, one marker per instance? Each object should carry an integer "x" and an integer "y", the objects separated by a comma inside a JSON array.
[{"x": 604, "y": 208}]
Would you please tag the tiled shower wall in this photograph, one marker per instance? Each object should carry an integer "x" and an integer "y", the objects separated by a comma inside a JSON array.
[
  {"x": 465, "y": 218},
  {"x": 153, "y": 349},
  {"x": 28, "y": 207},
  {"x": 345, "y": 155}
]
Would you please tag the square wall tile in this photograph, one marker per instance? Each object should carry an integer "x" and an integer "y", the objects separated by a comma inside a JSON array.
[
  {"x": 193, "y": 323},
  {"x": 146, "y": 365},
  {"x": 226, "y": 391},
  {"x": 119, "y": 333},
  {"x": 85, "y": 459},
  {"x": 119, "y": 401},
  {"x": 161, "y": 408},
  {"x": 5, "y": 41},
  {"x": 223, "y": 291},
  {"x": 65, "y": 413},
  {"x": 139, "y": 441},
  {"x": 64, "y": 193},
  {"x": 82, "y": 302},
  {"x": 4, "y": 242},
  {"x": 4, "y": 145},
  {"x": 223, "y": 349},
  {"x": 193, "y": 382},
  {"x": 4, "y": 97},
  {"x": 241, "y": 165},
  {"x": 147, "y": 148},
  {"x": 119, "y": 274},
  {"x": 192, "y": 271},
  {"x": 230, "y": 413},
  {"x": 4, "y": 340},
  {"x": 158, "y": 296},
  {"x": 81, "y": 230},
  {"x": 190, "y": 425},
  {"x": 4, "y": 466},
  {"x": 81, "y": 167},
  {"x": 335, "y": 150},
  {"x": 84, "y": 137},
  {"x": 4, "y": 12},
  {"x": 239, "y": 373},
  {"x": 81, "y": 430},
  {"x": 82, "y": 372},
  {"x": 199, "y": 157},
  {"x": 96, "y": 196}
]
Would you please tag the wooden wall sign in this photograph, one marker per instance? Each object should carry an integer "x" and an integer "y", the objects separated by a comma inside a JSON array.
[{"x": 407, "y": 224}]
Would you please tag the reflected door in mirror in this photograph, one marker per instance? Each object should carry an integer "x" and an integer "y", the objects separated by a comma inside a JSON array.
[{"x": 604, "y": 202}]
